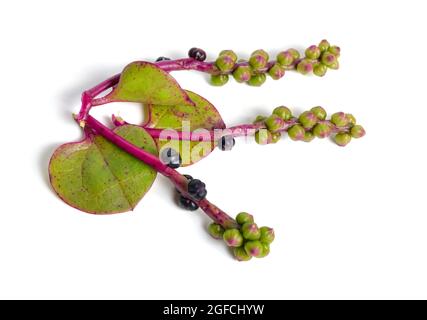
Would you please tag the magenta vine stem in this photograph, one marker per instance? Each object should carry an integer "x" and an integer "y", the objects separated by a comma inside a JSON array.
[
  {"x": 180, "y": 182},
  {"x": 89, "y": 99}
]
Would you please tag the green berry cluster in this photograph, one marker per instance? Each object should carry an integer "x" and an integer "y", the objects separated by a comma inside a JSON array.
[
  {"x": 307, "y": 126},
  {"x": 318, "y": 59},
  {"x": 247, "y": 241}
]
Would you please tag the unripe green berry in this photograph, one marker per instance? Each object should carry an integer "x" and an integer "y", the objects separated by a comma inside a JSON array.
[
  {"x": 342, "y": 139},
  {"x": 339, "y": 119},
  {"x": 295, "y": 53},
  {"x": 308, "y": 136},
  {"x": 322, "y": 130},
  {"x": 219, "y": 80},
  {"x": 351, "y": 119},
  {"x": 319, "y": 69},
  {"x": 265, "y": 250},
  {"x": 274, "y": 123},
  {"x": 328, "y": 59},
  {"x": 275, "y": 137},
  {"x": 267, "y": 235},
  {"x": 240, "y": 254},
  {"x": 242, "y": 73},
  {"x": 262, "y": 53},
  {"x": 259, "y": 119},
  {"x": 283, "y": 112},
  {"x": 229, "y": 53},
  {"x": 263, "y": 137},
  {"x": 319, "y": 112},
  {"x": 257, "y": 80},
  {"x": 257, "y": 61},
  {"x": 276, "y": 71},
  {"x": 254, "y": 248},
  {"x": 216, "y": 230},
  {"x": 335, "y": 50},
  {"x": 296, "y": 132},
  {"x": 357, "y": 131},
  {"x": 305, "y": 66},
  {"x": 335, "y": 65},
  {"x": 244, "y": 217},
  {"x": 308, "y": 119},
  {"x": 250, "y": 231},
  {"x": 324, "y": 45},
  {"x": 224, "y": 63},
  {"x": 312, "y": 52},
  {"x": 285, "y": 58},
  {"x": 233, "y": 238}
]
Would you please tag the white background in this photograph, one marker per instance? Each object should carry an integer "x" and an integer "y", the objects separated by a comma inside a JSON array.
[{"x": 350, "y": 222}]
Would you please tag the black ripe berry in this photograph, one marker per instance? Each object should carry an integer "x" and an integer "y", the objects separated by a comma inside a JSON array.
[
  {"x": 226, "y": 143},
  {"x": 188, "y": 177},
  {"x": 171, "y": 158},
  {"x": 197, "y": 53},
  {"x": 197, "y": 189},
  {"x": 187, "y": 204},
  {"x": 162, "y": 59}
]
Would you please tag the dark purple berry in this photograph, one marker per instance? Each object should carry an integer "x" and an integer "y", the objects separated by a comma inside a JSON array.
[
  {"x": 226, "y": 143},
  {"x": 188, "y": 177},
  {"x": 197, "y": 53},
  {"x": 162, "y": 59},
  {"x": 171, "y": 158},
  {"x": 197, "y": 189},
  {"x": 187, "y": 204}
]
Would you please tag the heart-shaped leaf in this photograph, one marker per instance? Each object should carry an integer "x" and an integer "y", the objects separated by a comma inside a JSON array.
[
  {"x": 202, "y": 117},
  {"x": 144, "y": 82},
  {"x": 96, "y": 176}
]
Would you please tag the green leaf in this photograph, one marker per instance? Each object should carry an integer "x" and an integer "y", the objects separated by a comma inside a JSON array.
[
  {"x": 181, "y": 117},
  {"x": 145, "y": 82},
  {"x": 96, "y": 176}
]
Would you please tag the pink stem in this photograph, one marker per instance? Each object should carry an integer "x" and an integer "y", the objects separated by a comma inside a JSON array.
[{"x": 180, "y": 182}]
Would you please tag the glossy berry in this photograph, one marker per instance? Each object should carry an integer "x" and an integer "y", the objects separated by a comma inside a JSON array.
[
  {"x": 357, "y": 131},
  {"x": 265, "y": 250},
  {"x": 188, "y": 177},
  {"x": 319, "y": 69},
  {"x": 197, "y": 53},
  {"x": 322, "y": 130},
  {"x": 242, "y": 73},
  {"x": 171, "y": 158},
  {"x": 328, "y": 59},
  {"x": 233, "y": 238},
  {"x": 267, "y": 235},
  {"x": 342, "y": 139},
  {"x": 240, "y": 254},
  {"x": 339, "y": 119},
  {"x": 335, "y": 65},
  {"x": 324, "y": 45},
  {"x": 229, "y": 53},
  {"x": 254, "y": 248},
  {"x": 187, "y": 204},
  {"x": 274, "y": 123},
  {"x": 351, "y": 119},
  {"x": 219, "y": 80},
  {"x": 259, "y": 119},
  {"x": 197, "y": 189},
  {"x": 296, "y": 132},
  {"x": 308, "y": 119},
  {"x": 308, "y": 136},
  {"x": 226, "y": 143},
  {"x": 162, "y": 59},
  {"x": 244, "y": 217},
  {"x": 336, "y": 51},
  {"x": 216, "y": 231},
  {"x": 225, "y": 63},
  {"x": 263, "y": 137},
  {"x": 305, "y": 66},
  {"x": 261, "y": 52},
  {"x": 257, "y": 80},
  {"x": 276, "y": 71},
  {"x": 283, "y": 112},
  {"x": 257, "y": 61},
  {"x": 312, "y": 52},
  {"x": 275, "y": 137},
  {"x": 319, "y": 112},
  {"x": 285, "y": 58},
  {"x": 295, "y": 53},
  {"x": 250, "y": 231}
]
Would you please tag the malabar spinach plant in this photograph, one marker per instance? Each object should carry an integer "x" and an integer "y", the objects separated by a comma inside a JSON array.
[{"x": 111, "y": 169}]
